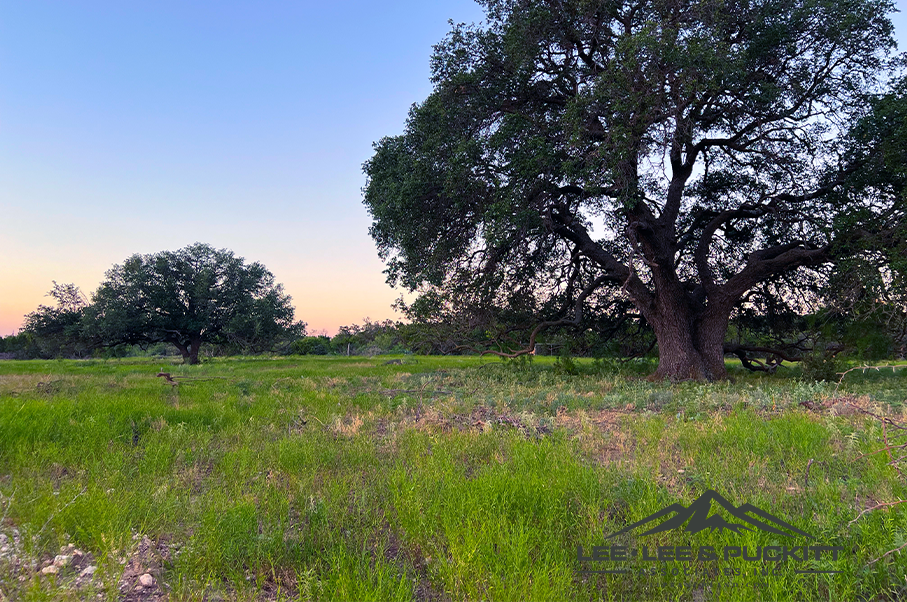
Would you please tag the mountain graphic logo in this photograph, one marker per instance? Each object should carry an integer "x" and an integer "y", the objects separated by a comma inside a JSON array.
[{"x": 700, "y": 515}]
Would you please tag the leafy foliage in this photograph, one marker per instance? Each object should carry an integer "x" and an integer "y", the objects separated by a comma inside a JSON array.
[
  {"x": 673, "y": 155},
  {"x": 318, "y": 345},
  {"x": 369, "y": 338},
  {"x": 192, "y": 296},
  {"x": 58, "y": 331}
]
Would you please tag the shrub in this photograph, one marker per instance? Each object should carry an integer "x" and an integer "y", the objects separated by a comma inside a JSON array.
[{"x": 320, "y": 345}]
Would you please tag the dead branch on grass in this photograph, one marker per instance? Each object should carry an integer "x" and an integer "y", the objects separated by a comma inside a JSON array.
[
  {"x": 886, "y": 554},
  {"x": 886, "y": 423},
  {"x": 888, "y": 447},
  {"x": 808, "y": 466},
  {"x": 864, "y": 369},
  {"x": 876, "y": 507},
  {"x": 173, "y": 382}
]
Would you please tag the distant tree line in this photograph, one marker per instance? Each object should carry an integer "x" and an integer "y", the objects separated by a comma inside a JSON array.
[{"x": 172, "y": 303}]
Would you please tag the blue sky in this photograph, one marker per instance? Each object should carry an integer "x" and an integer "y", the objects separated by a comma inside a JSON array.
[
  {"x": 134, "y": 127},
  {"x": 140, "y": 126}
]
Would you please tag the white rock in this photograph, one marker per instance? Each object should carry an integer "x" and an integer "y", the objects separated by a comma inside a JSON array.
[
  {"x": 88, "y": 571},
  {"x": 50, "y": 570},
  {"x": 146, "y": 580},
  {"x": 61, "y": 560}
]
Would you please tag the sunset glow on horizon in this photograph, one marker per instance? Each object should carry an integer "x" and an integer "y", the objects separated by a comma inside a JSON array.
[{"x": 148, "y": 126}]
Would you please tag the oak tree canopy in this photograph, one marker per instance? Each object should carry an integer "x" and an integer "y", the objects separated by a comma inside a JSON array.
[
  {"x": 195, "y": 295},
  {"x": 677, "y": 153}
]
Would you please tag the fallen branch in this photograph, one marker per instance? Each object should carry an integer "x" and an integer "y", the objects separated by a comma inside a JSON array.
[
  {"x": 173, "y": 382},
  {"x": 886, "y": 554},
  {"x": 774, "y": 356},
  {"x": 876, "y": 507},
  {"x": 166, "y": 376},
  {"x": 864, "y": 369},
  {"x": 808, "y": 466}
]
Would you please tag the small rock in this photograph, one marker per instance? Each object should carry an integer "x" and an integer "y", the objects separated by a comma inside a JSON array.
[
  {"x": 88, "y": 571},
  {"x": 61, "y": 560},
  {"x": 146, "y": 580},
  {"x": 50, "y": 570}
]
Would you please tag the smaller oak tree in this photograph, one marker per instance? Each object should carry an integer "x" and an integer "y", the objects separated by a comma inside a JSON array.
[
  {"x": 57, "y": 330},
  {"x": 192, "y": 296}
]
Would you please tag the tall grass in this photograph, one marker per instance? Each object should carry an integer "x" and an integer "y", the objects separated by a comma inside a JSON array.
[{"x": 438, "y": 479}]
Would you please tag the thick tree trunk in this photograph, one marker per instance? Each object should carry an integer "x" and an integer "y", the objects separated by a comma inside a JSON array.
[
  {"x": 684, "y": 355},
  {"x": 711, "y": 331},
  {"x": 690, "y": 338},
  {"x": 184, "y": 351},
  {"x": 194, "y": 345}
]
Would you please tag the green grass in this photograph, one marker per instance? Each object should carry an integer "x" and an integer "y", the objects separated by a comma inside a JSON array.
[{"x": 333, "y": 478}]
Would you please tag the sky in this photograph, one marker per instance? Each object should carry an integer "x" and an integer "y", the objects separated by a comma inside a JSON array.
[{"x": 143, "y": 126}]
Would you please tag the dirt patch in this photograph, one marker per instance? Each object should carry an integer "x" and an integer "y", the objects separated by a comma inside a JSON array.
[
  {"x": 598, "y": 433},
  {"x": 347, "y": 426},
  {"x": 13, "y": 384},
  {"x": 194, "y": 477},
  {"x": 141, "y": 578},
  {"x": 280, "y": 584},
  {"x": 841, "y": 405},
  {"x": 481, "y": 418}
]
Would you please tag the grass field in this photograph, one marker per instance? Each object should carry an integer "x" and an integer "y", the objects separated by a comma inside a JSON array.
[{"x": 326, "y": 478}]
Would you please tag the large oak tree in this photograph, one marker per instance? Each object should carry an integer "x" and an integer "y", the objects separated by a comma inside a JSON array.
[
  {"x": 188, "y": 297},
  {"x": 678, "y": 153}
]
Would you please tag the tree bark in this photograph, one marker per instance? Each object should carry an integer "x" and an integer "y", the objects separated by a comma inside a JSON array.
[
  {"x": 184, "y": 351},
  {"x": 686, "y": 352},
  {"x": 690, "y": 334},
  {"x": 194, "y": 345}
]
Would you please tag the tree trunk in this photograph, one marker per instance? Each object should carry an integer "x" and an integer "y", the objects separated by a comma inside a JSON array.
[
  {"x": 690, "y": 338},
  {"x": 184, "y": 351},
  {"x": 194, "y": 345},
  {"x": 711, "y": 330}
]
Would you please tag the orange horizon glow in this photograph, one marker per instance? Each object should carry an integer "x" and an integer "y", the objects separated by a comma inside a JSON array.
[{"x": 325, "y": 297}]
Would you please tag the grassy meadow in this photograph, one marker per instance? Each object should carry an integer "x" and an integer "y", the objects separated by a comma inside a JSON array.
[{"x": 436, "y": 478}]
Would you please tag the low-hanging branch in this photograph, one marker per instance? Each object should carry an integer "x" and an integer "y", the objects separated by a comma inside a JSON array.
[{"x": 575, "y": 321}]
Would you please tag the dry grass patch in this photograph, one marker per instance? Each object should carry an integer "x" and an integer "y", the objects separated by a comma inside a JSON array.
[
  {"x": 13, "y": 385},
  {"x": 346, "y": 426}
]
